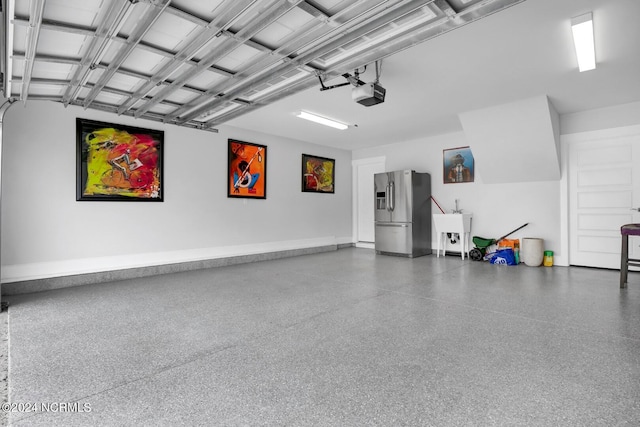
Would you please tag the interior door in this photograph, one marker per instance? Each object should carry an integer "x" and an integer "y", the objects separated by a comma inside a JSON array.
[{"x": 604, "y": 193}]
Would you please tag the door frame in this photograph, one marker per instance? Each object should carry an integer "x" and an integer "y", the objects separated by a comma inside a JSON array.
[
  {"x": 566, "y": 141},
  {"x": 355, "y": 164},
  {"x": 3, "y": 110}
]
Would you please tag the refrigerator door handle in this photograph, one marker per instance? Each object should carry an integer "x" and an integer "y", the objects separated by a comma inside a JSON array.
[
  {"x": 391, "y": 224},
  {"x": 392, "y": 196},
  {"x": 386, "y": 197}
]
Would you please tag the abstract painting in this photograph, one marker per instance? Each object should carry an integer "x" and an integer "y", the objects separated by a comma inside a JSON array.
[
  {"x": 318, "y": 174},
  {"x": 118, "y": 163},
  {"x": 246, "y": 170},
  {"x": 457, "y": 165}
]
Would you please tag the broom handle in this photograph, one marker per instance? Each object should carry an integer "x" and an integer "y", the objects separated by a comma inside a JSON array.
[
  {"x": 510, "y": 233},
  {"x": 437, "y": 204}
]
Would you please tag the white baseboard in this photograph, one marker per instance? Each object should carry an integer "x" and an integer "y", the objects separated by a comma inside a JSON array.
[
  {"x": 366, "y": 245},
  {"x": 46, "y": 270}
]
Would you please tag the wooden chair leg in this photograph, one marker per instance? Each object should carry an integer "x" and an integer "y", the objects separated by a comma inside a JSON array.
[{"x": 624, "y": 261}]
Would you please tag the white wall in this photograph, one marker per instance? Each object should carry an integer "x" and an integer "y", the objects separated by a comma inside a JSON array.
[
  {"x": 497, "y": 208},
  {"x": 47, "y": 233}
]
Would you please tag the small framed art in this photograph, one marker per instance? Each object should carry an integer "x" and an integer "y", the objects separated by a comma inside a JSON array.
[
  {"x": 318, "y": 174},
  {"x": 457, "y": 165}
]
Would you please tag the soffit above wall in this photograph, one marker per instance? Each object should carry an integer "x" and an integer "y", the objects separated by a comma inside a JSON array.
[{"x": 515, "y": 142}]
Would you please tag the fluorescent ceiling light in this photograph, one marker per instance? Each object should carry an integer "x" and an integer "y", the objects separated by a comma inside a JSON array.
[
  {"x": 582, "y": 28},
  {"x": 322, "y": 120}
]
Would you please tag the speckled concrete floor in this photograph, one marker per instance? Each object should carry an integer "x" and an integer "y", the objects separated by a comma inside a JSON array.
[{"x": 345, "y": 338}]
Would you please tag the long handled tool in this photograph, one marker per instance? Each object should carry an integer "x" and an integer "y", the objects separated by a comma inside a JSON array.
[
  {"x": 482, "y": 244},
  {"x": 511, "y": 232}
]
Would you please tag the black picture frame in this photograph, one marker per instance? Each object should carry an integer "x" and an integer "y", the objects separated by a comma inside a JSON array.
[
  {"x": 318, "y": 174},
  {"x": 246, "y": 170},
  {"x": 118, "y": 163}
]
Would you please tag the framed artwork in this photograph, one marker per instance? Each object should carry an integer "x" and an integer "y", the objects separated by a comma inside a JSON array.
[
  {"x": 318, "y": 174},
  {"x": 118, "y": 163},
  {"x": 457, "y": 165},
  {"x": 246, "y": 170}
]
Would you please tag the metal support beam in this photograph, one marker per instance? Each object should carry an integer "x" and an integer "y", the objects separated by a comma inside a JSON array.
[
  {"x": 52, "y": 25},
  {"x": 446, "y": 8},
  {"x": 273, "y": 13},
  {"x": 107, "y": 29},
  {"x": 142, "y": 27},
  {"x": 155, "y": 117},
  {"x": 314, "y": 11},
  {"x": 48, "y": 24},
  {"x": 36, "y": 10},
  {"x": 231, "y": 10},
  {"x": 7, "y": 42},
  {"x": 59, "y": 82},
  {"x": 121, "y": 70}
]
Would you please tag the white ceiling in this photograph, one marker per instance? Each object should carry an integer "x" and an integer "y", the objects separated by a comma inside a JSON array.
[
  {"x": 521, "y": 52},
  {"x": 254, "y": 63}
]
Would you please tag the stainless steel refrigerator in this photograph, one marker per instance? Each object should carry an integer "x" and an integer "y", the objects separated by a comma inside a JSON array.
[{"x": 403, "y": 213}]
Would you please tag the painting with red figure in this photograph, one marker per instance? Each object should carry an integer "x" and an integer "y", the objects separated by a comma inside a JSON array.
[{"x": 247, "y": 170}]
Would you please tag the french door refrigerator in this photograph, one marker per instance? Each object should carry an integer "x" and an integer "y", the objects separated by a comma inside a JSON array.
[{"x": 403, "y": 213}]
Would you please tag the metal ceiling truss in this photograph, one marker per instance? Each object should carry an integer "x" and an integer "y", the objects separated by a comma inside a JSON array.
[
  {"x": 90, "y": 32},
  {"x": 274, "y": 12},
  {"x": 241, "y": 56},
  {"x": 106, "y": 31}
]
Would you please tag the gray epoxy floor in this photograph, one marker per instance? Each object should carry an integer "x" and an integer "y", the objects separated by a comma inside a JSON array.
[{"x": 345, "y": 338}]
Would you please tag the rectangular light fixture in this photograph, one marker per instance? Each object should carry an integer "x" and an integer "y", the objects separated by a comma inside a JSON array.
[
  {"x": 322, "y": 120},
  {"x": 582, "y": 28}
]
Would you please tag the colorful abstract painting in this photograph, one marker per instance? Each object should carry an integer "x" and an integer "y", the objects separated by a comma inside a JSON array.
[
  {"x": 118, "y": 163},
  {"x": 247, "y": 170},
  {"x": 318, "y": 174}
]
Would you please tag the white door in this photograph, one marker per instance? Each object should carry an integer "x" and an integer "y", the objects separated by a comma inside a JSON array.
[
  {"x": 604, "y": 188},
  {"x": 364, "y": 219}
]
